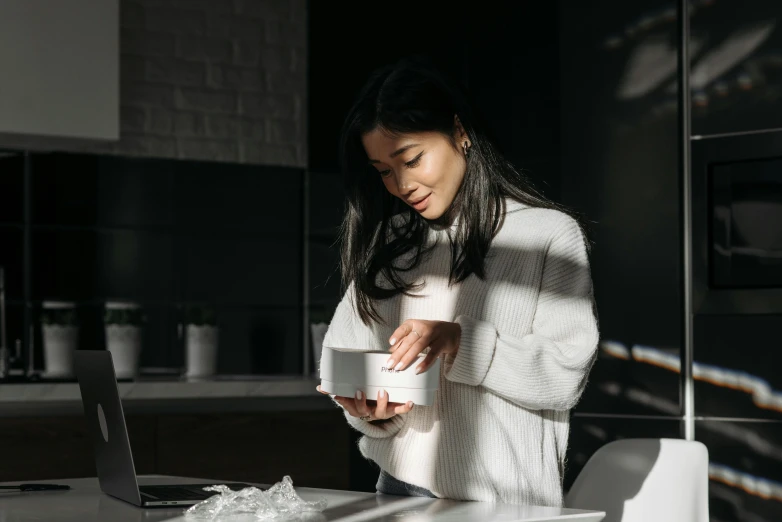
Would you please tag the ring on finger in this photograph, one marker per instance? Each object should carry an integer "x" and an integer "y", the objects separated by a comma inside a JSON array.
[
  {"x": 366, "y": 418},
  {"x": 415, "y": 332}
]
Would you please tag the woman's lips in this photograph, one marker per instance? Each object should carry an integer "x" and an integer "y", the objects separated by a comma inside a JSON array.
[{"x": 422, "y": 204}]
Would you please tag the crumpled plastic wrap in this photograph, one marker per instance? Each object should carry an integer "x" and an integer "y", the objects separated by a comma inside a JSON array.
[{"x": 279, "y": 502}]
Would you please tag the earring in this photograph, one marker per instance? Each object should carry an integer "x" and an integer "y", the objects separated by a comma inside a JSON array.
[{"x": 466, "y": 150}]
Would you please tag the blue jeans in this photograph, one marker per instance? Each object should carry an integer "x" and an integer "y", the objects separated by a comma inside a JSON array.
[{"x": 388, "y": 485}]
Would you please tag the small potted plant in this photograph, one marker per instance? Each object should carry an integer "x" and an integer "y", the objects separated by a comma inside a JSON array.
[
  {"x": 124, "y": 322},
  {"x": 201, "y": 340},
  {"x": 60, "y": 331}
]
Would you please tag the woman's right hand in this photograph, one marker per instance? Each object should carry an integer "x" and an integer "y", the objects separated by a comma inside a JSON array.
[{"x": 374, "y": 410}]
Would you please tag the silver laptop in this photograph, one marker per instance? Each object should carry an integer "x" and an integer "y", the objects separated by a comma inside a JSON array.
[{"x": 113, "y": 457}]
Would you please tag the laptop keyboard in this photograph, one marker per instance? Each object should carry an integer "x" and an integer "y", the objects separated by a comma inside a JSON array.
[{"x": 183, "y": 492}]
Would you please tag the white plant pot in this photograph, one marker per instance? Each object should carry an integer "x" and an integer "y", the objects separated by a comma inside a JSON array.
[
  {"x": 201, "y": 350},
  {"x": 59, "y": 343},
  {"x": 124, "y": 343}
]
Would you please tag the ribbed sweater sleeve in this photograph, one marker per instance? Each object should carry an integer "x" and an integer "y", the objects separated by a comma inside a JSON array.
[{"x": 547, "y": 368}]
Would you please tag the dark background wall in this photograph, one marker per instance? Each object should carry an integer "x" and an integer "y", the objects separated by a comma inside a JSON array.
[
  {"x": 584, "y": 96},
  {"x": 507, "y": 56}
]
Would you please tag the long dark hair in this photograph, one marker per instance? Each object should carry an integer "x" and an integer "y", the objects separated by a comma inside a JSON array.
[{"x": 410, "y": 97}]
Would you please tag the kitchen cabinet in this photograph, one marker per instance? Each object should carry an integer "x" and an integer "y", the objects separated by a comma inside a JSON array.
[
  {"x": 313, "y": 447},
  {"x": 60, "y": 68}
]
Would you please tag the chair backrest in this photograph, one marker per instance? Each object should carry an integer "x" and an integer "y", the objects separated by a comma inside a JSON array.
[{"x": 645, "y": 480}]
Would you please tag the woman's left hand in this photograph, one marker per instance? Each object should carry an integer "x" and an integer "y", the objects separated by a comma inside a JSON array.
[{"x": 415, "y": 336}]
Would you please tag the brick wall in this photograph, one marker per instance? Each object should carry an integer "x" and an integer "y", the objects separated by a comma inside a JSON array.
[{"x": 221, "y": 80}]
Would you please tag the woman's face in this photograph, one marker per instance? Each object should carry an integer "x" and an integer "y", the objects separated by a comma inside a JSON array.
[{"x": 423, "y": 169}]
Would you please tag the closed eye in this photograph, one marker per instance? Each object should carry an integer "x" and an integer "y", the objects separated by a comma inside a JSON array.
[{"x": 413, "y": 163}]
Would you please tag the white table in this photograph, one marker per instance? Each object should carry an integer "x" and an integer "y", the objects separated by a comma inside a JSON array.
[{"x": 85, "y": 503}]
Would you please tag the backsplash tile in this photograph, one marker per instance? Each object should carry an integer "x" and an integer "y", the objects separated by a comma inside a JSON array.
[
  {"x": 326, "y": 202},
  {"x": 325, "y": 285},
  {"x": 263, "y": 201},
  {"x": 90, "y": 265},
  {"x": 260, "y": 340},
  {"x": 166, "y": 234},
  {"x": 237, "y": 269},
  {"x": 326, "y": 198},
  {"x": 11, "y": 187},
  {"x": 11, "y": 259},
  {"x": 86, "y": 190}
]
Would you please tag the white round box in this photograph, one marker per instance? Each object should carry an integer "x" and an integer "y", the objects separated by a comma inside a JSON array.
[{"x": 343, "y": 372}]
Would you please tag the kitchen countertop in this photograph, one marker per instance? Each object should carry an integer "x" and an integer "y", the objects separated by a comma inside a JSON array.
[
  {"x": 160, "y": 395},
  {"x": 85, "y": 503}
]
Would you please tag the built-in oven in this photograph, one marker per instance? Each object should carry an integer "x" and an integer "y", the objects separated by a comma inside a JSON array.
[{"x": 737, "y": 224}]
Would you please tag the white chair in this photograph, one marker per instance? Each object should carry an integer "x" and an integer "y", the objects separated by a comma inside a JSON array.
[{"x": 645, "y": 480}]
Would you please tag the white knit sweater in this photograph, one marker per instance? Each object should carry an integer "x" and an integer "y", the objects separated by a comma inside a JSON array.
[{"x": 498, "y": 428}]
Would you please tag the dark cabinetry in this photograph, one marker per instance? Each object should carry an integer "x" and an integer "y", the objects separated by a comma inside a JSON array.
[{"x": 260, "y": 447}]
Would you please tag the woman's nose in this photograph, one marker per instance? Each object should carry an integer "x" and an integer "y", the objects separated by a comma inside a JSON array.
[{"x": 405, "y": 185}]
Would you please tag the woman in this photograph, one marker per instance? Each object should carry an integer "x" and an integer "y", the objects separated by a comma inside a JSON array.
[{"x": 445, "y": 247}]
